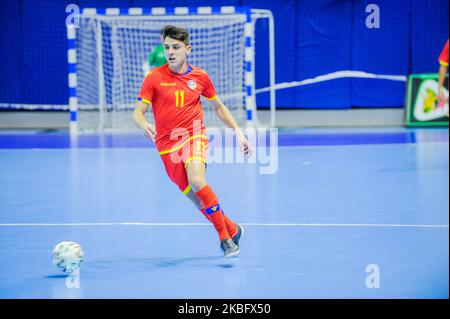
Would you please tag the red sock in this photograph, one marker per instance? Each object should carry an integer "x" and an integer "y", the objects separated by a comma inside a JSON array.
[
  {"x": 231, "y": 226},
  {"x": 206, "y": 215},
  {"x": 212, "y": 209}
]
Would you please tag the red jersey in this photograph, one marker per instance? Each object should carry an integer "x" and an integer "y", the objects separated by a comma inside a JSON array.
[
  {"x": 443, "y": 58},
  {"x": 175, "y": 100}
]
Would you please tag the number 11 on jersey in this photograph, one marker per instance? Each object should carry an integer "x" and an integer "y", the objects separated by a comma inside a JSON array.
[{"x": 179, "y": 98}]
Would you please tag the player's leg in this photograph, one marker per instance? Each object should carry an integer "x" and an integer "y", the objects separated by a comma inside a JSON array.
[
  {"x": 234, "y": 230},
  {"x": 194, "y": 199},
  {"x": 197, "y": 152},
  {"x": 177, "y": 173},
  {"x": 197, "y": 203},
  {"x": 200, "y": 179},
  {"x": 195, "y": 171}
]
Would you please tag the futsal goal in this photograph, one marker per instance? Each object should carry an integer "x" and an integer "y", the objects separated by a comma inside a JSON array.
[{"x": 108, "y": 49}]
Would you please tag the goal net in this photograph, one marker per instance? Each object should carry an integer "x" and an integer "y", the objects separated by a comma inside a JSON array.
[{"x": 111, "y": 62}]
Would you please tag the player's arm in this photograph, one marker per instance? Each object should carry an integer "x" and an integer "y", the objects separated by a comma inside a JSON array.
[
  {"x": 224, "y": 114},
  {"x": 442, "y": 73},
  {"x": 140, "y": 120},
  {"x": 443, "y": 61}
]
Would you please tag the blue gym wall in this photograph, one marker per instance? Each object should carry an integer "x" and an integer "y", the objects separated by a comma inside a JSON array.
[{"x": 312, "y": 38}]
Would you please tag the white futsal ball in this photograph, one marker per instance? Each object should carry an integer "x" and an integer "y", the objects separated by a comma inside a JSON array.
[{"x": 67, "y": 256}]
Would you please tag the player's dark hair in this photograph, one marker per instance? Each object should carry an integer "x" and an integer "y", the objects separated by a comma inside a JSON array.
[{"x": 176, "y": 33}]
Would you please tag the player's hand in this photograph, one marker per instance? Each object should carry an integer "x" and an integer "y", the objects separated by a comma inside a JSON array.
[
  {"x": 244, "y": 144},
  {"x": 150, "y": 131}
]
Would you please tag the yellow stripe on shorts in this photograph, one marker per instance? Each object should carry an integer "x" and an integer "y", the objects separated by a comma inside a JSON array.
[
  {"x": 187, "y": 190},
  {"x": 182, "y": 144}
]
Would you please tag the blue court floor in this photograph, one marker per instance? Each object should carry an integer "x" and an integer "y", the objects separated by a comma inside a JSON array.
[{"x": 339, "y": 204}]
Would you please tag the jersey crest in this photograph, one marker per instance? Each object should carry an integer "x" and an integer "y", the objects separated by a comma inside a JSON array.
[{"x": 192, "y": 84}]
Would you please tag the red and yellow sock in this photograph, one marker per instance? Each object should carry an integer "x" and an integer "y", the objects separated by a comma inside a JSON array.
[{"x": 213, "y": 211}]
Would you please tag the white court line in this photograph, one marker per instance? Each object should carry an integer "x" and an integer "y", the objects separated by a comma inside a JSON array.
[
  {"x": 207, "y": 224},
  {"x": 333, "y": 76}
]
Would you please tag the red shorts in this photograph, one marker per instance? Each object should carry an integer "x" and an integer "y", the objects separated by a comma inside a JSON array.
[{"x": 176, "y": 159}]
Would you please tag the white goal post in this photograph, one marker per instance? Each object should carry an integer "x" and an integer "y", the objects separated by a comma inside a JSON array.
[{"x": 108, "y": 49}]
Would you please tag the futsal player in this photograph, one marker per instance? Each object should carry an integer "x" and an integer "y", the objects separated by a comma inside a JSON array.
[
  {"x": 173, "y": 91},
  {"x": 443, "y": 61},
  {"x": 157, "y": 57}
]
